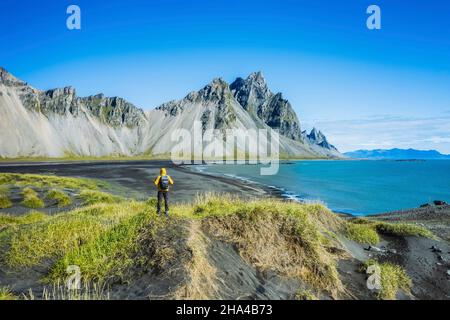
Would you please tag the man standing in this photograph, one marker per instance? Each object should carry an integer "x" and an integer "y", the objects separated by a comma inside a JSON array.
[{"x": 163, "y": 181}]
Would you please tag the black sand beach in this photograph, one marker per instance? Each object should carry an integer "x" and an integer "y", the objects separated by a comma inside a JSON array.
[{"x": 135, "y": 178}]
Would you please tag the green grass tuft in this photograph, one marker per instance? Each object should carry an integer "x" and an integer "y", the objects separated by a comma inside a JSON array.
[
  {"x": 56, "y": 235},
  {"x": 6, "y": 294},
  {"x": 305, "y": 295},
  {"x": 112, "y": 254},
  {"x": 61, "y": 198},
  {"x": 49, "y": 181},
  {"x": 4, "y": 198},
  {"x": 92, "y": 197},
  {"x": 31, "y": 217},
  {"x": 5, "y": 202},
  {"x": 361, "y": 233},
  {"x": 392, "y": 229},
  {"x": 393, "y": 279},
  {"x": 31, "y": 199},
  {"x": 403, "y": 229}
]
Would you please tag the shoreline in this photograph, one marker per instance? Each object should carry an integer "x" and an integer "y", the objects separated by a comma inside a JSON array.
[
  {"x": 127, "y": 176},
  {"x": 272, "y": 191}
]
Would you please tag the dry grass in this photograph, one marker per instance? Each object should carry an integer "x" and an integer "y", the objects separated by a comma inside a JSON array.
[
  {"x": 61, "y": 292},
  {"x": 280, "y": 236},
  {"x": 202, "y": 284}
]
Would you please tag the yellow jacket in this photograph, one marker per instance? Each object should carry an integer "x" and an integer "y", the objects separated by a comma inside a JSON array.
[{"x": 158, "y": 178}]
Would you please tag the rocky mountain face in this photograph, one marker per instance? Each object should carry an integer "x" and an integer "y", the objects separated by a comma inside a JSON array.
[
  {"x": 216, "y": 93},
  {"x": 318, "y": 138},
  {"x": 255, "y": 97},
  {"x": 57, "y": 122},
  {"x": 114, "y": 111}
]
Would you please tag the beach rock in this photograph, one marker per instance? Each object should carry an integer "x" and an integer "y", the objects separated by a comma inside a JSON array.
[
  {"x": 435, "y": 249},
  {"x": 374, "y": 249}
]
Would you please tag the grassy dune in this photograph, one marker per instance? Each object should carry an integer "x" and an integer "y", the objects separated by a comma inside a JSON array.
[{"x": 113, "y": 239}]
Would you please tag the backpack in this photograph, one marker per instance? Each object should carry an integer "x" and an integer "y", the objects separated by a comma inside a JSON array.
[{"x": 164, "y": 182}]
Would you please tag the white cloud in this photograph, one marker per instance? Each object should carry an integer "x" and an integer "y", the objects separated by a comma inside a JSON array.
[{"x": 387, "y": 131}]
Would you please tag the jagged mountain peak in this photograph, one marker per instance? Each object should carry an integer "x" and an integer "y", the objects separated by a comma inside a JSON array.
[
  {"x": 217, "y": 82},
  {"x": 256, "y": 98},
  {"x": 317, "y": 137},
  {"x": 315, "y": 133},
  {"x": 215, "y": 89},
  {"x": 257, "y": 79}
]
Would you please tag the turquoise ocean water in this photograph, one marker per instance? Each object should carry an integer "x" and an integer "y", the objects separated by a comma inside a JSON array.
[{"x": 356, "y": 187}]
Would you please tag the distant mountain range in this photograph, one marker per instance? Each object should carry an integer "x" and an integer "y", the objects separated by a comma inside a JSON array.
[
  {"x": 58, "y": 123},
  {"x": 397, "y": 154}
]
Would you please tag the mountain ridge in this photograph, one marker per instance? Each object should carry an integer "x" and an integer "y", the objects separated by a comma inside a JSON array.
[
  {"x": 56, "y": 122},
  {"x": 397, "y": 154}
]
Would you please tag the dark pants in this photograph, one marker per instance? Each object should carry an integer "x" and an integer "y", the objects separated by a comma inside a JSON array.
[{"x": 161, "y": 195}]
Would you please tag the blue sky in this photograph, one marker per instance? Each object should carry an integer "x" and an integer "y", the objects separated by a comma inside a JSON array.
[{"x": 364, "y": 88}]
